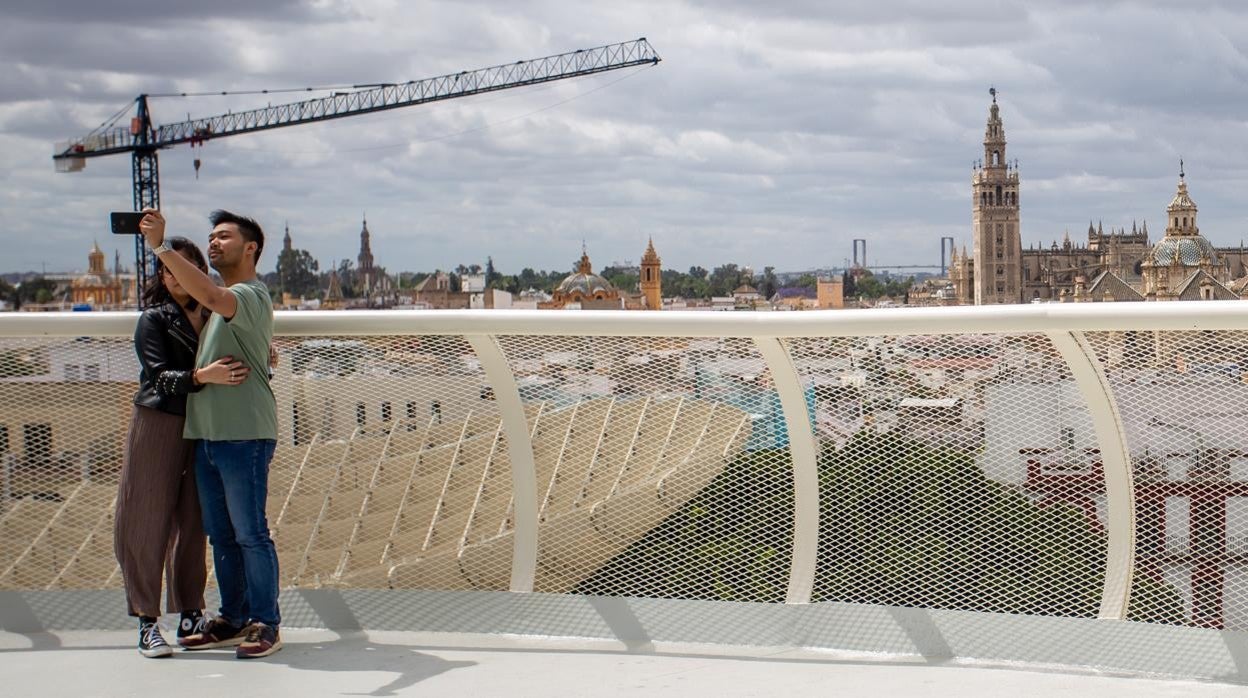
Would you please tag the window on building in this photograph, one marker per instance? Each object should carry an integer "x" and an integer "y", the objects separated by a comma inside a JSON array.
[
  {"x": 361, "y": 413},
  {"x": 37, "y": 444},
  {"x": 4, "y": 439},
  {"x": 1000, "y": 288},
  {"x": 73, "y": 372},
  {"x": 411, "y": 415},
  {"x": 296, "y": 426},
  {"x": 435, "y": 411},
  {"x": 385, "y": 411},
  {"x": 91, "y": 372}
]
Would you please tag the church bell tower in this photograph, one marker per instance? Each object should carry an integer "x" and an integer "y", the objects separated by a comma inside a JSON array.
[
  {"x": 998, "y": 247},
  {"x": 651, "y": 281}
]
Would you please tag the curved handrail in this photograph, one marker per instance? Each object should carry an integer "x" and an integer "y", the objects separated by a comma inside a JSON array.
[{"x": 1069, "y": 317}]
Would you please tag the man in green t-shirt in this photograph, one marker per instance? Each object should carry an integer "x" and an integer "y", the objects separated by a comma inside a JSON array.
[{"x": 236, "y": 431}]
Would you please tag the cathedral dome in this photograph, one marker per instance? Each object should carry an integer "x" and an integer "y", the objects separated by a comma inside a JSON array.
[
  {"x": 89, "y": 281},
  {"x": 1183, "y": 244},
  {"x": 1186, "y": 250},
  {"x": 585, "y": 282}
]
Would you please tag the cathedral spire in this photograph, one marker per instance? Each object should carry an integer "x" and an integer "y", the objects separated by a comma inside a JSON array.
[
  {"x": 651, "y": 281},
  {"x": 365, "y": 260},
  {"x": 994, "y": 136},
  {"x": 1181, "y": 213},
  {"x": 584, "y": 267},
  {"x": 95, "y": 260}
]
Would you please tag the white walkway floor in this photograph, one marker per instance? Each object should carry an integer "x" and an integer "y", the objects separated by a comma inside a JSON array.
[{"x": 322, "y": 663}]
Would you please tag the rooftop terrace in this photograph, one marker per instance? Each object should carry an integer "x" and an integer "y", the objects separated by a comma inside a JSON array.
[{"x": 672, "y": 500}]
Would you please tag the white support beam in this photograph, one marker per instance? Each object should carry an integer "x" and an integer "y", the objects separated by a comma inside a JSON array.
[
  {"x": 520, "y": 452},
  {"x": 1116, "y": 462},
  {"x": 805, "y": 471}
]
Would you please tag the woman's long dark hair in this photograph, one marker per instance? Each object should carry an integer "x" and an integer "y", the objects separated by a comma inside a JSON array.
[{"x": 155, "y": 293}]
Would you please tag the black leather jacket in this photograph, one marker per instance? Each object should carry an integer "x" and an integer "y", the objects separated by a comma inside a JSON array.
[{"x": 165, "y": 342}]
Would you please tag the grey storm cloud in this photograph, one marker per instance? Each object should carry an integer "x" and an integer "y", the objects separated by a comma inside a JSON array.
[
  {"x": 770, "y": 135},
  {"x": 148, "y": 12}
]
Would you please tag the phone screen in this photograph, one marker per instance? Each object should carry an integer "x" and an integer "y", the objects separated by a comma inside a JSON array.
[{"x": 126, "y": 222}]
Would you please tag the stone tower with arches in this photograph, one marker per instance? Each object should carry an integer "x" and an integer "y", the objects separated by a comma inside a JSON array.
[{"x": 997, "y": 240}]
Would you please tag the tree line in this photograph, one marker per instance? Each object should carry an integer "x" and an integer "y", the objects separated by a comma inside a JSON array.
[{"x": 299, "y": 274}]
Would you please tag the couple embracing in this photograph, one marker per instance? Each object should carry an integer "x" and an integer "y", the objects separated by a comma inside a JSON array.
[{"x": 202, "y": 434}]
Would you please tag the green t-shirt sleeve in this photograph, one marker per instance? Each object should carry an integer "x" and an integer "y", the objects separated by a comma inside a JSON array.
[{"x": 247, "y": 311}]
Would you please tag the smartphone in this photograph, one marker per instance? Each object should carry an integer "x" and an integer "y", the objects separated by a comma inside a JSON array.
[{"x": 126, "y": 222}]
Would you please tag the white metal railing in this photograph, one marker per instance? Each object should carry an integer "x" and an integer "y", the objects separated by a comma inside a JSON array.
[{"x": 1093, "y": 369}]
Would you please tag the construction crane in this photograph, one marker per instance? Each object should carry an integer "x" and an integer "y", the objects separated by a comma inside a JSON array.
[{"x": 143, "y": 139}]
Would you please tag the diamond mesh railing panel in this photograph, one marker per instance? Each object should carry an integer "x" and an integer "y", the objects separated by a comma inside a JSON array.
[
  {"x": 651, "y": 454},
  {"x": 65, "y": 404},
  {"x": 950, "y": 475},
  {"x": 956, "y": 471},
  {"x": 1183, "y": 403},
  {"x": 378, "y": 438},
  {"x": 391, "y": 435}
]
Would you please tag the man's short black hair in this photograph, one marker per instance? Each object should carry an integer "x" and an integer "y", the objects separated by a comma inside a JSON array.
[{"x": 248, "y": 227}]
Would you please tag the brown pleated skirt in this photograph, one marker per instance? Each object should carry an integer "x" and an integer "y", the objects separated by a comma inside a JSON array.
[{"x": 159, "y": 531}]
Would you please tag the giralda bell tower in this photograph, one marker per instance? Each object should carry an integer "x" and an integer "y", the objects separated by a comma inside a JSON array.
[{"x": 998, "y": 247}]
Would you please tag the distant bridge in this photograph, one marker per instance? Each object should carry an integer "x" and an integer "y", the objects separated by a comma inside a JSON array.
[{"x": 860, "y": 261}]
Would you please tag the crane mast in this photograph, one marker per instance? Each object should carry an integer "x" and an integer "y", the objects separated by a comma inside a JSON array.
[{"x": 143, "y": 139}]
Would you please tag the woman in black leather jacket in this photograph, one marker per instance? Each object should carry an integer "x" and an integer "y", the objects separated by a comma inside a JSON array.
[{"x": 158, "y": 526}]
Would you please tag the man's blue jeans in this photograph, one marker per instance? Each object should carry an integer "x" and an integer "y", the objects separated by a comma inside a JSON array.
[{"x": 233, "y": 480}]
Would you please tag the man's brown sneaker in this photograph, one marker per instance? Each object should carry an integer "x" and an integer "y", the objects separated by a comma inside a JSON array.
[
  {"x": 261, "y": 641},
  {"x": 216, "y": 633}
]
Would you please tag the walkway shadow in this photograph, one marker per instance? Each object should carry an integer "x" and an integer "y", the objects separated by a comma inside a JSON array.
[{"x": 352, "y": 651}]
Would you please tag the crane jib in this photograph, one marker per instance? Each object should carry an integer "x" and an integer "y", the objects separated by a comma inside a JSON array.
[{"x": 373, "y": 98}]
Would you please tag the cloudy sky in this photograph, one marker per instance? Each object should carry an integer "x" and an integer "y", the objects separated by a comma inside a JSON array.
[{"x": 767, "y": 135}]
